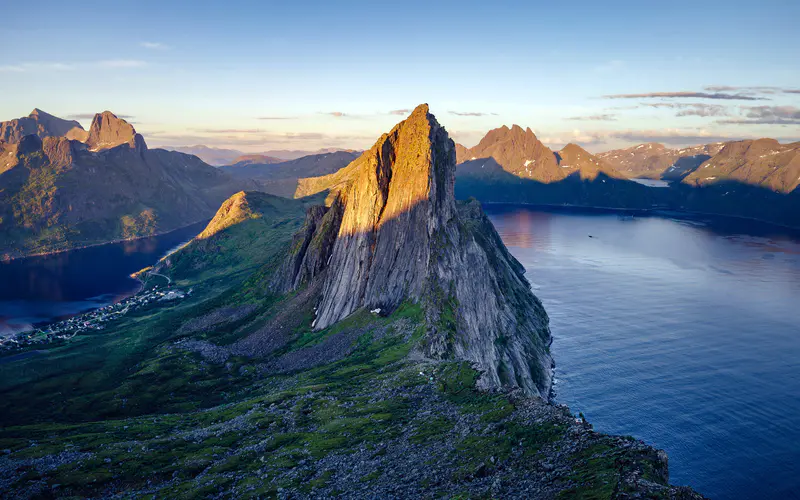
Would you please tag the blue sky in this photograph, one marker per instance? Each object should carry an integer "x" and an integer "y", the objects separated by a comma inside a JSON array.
[{"x": 338, "y": 74}]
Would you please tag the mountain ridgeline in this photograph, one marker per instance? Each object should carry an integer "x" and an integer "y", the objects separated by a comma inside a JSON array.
[
  {"x": 754, "y": 178},
  {"x": 63, "y": 187},
  {"x": 392, "y": 231}
]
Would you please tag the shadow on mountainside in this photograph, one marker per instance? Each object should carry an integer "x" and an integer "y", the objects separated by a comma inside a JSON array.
[{"x": 724, "y": 198}]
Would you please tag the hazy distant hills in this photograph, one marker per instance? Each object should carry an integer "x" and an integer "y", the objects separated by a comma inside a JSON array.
[
  {"x": 57, "y": 192},
  {"x": 280, "y": 178},
  {"x": 220, "y": 156},
  {"x": 254, "y": 159},
  {"x": 210, "y": 155}
]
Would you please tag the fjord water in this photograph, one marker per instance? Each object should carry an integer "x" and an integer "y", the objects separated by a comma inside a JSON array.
[
  {"x": 683, "y": 333},
  {"x": 49, "y": 287}
]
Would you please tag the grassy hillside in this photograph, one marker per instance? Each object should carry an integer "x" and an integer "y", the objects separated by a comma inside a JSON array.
[{"x": 231, "y": 393}]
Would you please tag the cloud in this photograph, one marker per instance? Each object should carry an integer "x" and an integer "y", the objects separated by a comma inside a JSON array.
[
  {"x": 610, "y": 66},
  {"x": 597, "y": 118},
  {"x": 671, "y": 137},
  {"x": 752, "y": 90},
  {"x": 154, "y": 45},
  {"x": 237, "y": 138},
  {"x": 337, "y": 114},
  {"x": 122, "y": 63},
  {"x": 686, "y": 95},
  {"x": 90, "y": 116},
  {"x": 692, "y": 109},
  {"x": 228, "y": 130},
  {"x": 40, "y": 66},
  {"x": 36, "y": 66},
  {"x": 768, "y": 115},
  {"x": 400, "y": 112},
  {"x": 471, "y": 113}
]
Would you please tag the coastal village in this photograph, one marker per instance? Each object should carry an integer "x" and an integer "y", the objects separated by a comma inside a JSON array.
[{"x": 95, "y": 319}]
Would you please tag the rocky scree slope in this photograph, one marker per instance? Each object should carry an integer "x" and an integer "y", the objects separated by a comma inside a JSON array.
[{"x": 392, "y": 232}]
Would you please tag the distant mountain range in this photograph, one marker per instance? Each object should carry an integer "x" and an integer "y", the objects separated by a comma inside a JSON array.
[
  {"x": 280, "y": 178},
  {"x": 63, "y": 187},
  {"x": 219, "y": 156},
  {"x": 655, "y": 161},
  {"x": 754, "y": 178}
]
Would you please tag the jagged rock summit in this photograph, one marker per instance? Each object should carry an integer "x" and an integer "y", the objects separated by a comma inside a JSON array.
[
  {"x": 513, "y": 150},
  {"x": 109, "y": 131},
  {"x": 391, "y": 231}
]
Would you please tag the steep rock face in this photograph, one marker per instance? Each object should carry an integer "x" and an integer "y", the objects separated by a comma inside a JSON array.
[
  {"x": 108, "y": 131},
  {"x": 41, "y": 124},
  {"x": 399, "y": 235}
]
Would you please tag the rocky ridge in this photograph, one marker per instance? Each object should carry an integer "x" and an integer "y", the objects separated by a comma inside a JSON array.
[{"x": 392, "y": 232}]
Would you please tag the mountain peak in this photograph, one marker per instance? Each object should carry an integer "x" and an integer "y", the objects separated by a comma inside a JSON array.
[
  {"x": 108, "y": 131},
  {"x": 516, "y": 151},
  {"x": 392, "y": 233}
]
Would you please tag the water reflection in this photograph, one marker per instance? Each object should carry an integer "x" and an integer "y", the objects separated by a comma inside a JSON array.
[{"x": 680, "y": 332}]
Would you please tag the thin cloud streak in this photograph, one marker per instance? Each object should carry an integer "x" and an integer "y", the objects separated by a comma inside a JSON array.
[
  {"x": 471, "y": 113},
  {"x": 154, "y": 45},
  {"x": 90, "y": 116},
  {"x": 767, "y": 115},
  {"x": 685, "y": 95},
  {"x": 122, "y": 63},
  {"x": 596, "y": 118}
]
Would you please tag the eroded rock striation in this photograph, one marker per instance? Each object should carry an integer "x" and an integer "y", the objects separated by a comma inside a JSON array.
[{"x": 392, "y": 231}]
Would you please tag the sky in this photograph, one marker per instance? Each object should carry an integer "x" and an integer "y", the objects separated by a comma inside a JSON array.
[{"x": 306, "y": 75}]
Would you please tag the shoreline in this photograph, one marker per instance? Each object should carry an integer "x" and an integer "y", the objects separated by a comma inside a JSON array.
[
  {"x": 92, "y": 245},
  {"x": 656, "y": 212}
]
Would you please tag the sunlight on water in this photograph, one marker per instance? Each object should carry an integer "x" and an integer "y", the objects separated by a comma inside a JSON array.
[{"x": 681, "y": 333}]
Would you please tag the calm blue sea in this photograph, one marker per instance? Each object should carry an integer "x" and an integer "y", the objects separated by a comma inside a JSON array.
[
  {"x": 46, "y": 288},
  {"x": 684, "y": 333}
]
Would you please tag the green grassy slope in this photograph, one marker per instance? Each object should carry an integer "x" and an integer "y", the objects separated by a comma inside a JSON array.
[{"x": 168, "y": 402}]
